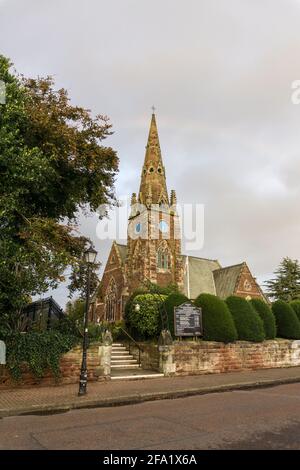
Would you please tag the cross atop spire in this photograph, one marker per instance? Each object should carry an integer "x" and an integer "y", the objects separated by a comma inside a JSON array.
[{"x": 153, "y": 109}]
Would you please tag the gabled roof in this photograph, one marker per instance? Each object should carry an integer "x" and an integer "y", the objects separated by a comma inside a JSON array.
[
  {"x": 122, "y": 249},
  {"x": 226, "y": 279},
  {"x": 198, "y": 276}
]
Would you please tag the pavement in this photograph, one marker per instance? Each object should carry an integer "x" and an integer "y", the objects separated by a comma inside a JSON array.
[
  {"x": 54, "y": 399},
  {"x": 260, "y": 418}
]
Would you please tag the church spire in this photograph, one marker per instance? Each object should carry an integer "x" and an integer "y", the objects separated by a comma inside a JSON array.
[{"x": 153, "y": 178}]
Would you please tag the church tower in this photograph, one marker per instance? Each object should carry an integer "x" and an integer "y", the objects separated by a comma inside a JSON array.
[
  {"x": 153, "y": 250},
  {"x": 154, "y": 238}
]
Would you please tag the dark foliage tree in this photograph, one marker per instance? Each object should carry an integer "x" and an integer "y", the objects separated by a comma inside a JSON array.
[
  {"x": 295, "y": 304},
  {"x": 286, "y": 284},
  {"x": 267, "y": 316},
  {"x": 218, "y": 324},
  {"x": 288, "y": 325},
  {"x": 248, "y": 323},
  {"x": 52, "y": 164}
]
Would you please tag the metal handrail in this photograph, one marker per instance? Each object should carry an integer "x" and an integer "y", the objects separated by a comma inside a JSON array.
[{"x": 133, "y": 341}]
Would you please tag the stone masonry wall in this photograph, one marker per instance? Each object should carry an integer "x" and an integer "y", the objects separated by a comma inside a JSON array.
[
  {"x": 192, "y": 358},
  {"x": 149, "y": 355},
  {"x": 70, "y": 370}
]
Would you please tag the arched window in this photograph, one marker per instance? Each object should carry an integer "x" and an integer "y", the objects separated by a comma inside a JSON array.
[
  {"x": 111, "y": 300},
  {"x": 163, "y": 258}
]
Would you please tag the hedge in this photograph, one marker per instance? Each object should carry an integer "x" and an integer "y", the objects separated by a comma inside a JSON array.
[
  {"x": 288, "y": 325},
  {"x": 173, "y": 300},
  {"x": 267, "y": 316},
  {"x": 295, "y": 304},
  {"x": 145, "y": 323},
  {"x": 248, "y": 323},
  {"x": 218, "y": 324}
]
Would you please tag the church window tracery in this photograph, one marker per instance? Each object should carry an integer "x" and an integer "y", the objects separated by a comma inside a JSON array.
[
  {"x": 163, "y": 258},
  {"x": 111, "y": 301}
]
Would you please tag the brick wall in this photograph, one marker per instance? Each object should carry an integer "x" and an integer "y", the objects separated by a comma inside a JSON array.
[
  {"x": 70, "y": 370},
  {"x": 209, "y": 357}
]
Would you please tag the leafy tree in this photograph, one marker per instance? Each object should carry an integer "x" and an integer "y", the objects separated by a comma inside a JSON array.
[
  {"x": 286, "y": 284},
  {"x": 248, "y": 323},
  {"x": 79, "y": 279},
  {"x": 218, "y": 324},
  {"x": 267, "y": 317},
  {"x": 75, "y": 309},
  {"x": 288, "y": 325},
  {"x": 52, "y": 163}
]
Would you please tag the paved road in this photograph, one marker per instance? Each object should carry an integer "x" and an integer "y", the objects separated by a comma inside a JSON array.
[{"x": 255, "y": 419}]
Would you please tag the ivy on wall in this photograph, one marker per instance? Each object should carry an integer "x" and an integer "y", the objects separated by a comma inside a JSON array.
[{"x": 40, "y": 350}]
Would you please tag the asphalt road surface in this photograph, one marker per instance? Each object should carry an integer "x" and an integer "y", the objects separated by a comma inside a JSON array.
[{"x": 256, "y": 419}]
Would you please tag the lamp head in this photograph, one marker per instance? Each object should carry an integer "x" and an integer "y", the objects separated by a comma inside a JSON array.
[{"x": 90, "y": 255}]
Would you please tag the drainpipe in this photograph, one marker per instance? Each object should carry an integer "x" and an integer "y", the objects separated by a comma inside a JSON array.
[{"x": 188, "y": 276}]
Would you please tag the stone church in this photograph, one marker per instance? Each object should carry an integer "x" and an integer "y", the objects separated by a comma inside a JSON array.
[{"x": 153, "y": 250}]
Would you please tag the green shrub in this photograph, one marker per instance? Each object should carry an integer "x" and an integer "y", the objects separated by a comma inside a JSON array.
[
  {"x": 148, "y": 288},
  {"x": 41, "y": 351},
  {"x": 173, "y": 300},
  {"x": 115, "y": 328},
  {"x": 248, "y": 323},
  {"x": 288, "y": 325},
  {"x": 68, "y": 326},
  {"x": 295, "y": 304},
  {"x": 145, "y": 323},
  {"x": 218, "y": 324},
  {"x": 267, "y": 316}
]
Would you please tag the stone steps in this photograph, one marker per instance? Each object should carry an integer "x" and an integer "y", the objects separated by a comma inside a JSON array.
[{"x": 125, "y": 367}]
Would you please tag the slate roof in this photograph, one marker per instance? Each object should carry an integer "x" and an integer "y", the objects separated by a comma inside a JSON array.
[
  {"x": 202, "y": 275},
  {"x": 226, "y": 280},
  {"x": 198, "y": 276}
]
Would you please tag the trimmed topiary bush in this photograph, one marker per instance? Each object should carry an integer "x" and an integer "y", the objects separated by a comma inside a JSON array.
[
  {"x": 288, "y": 325},
  {"x": 295, "y": 304},
  {"x": 146, "y": 321},
  {"x": 248, "y": 323},
  {"x": 218, "y": 324},
  {"x": 267, "y": 316},
  {"x": 173, "y": 300}
]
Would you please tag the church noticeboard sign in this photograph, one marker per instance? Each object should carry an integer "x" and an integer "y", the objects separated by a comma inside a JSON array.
[{"x": 187, "y": 320}]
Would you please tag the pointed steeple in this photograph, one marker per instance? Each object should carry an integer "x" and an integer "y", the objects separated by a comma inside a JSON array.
[{"x": 153, "y": 178}]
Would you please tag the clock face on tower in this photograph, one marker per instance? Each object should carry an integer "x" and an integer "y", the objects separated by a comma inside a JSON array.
[{"x": 163, "y": 226}]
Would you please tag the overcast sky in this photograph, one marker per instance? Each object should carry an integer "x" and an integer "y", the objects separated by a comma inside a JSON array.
[{"x": 219, "y": 73}]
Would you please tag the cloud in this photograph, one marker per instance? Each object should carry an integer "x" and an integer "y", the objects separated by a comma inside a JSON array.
[{"x": 220, "y": 75}]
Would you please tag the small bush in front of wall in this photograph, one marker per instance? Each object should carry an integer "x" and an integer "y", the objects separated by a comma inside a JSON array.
[
  {"x": 218, "y": 324},
  {"x": 40, "y": 350},
  {"x": 295, "y": 304},
  {"x": 267, "y": 316},
  {"x": 248, "y": 323},
  {"x": 172, "y": 301},
  {"x": 288, "y": 325},
  {"x": 145, "y": 320}
]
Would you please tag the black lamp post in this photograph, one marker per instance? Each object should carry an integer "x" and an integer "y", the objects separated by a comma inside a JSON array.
[{"x": 89, "y": 258}]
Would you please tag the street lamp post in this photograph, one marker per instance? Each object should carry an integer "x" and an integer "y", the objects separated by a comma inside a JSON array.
[{"x": 89, "y": 258}]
